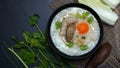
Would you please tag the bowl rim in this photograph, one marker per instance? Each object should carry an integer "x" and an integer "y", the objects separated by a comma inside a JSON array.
[{"x": 79, "y": 6}]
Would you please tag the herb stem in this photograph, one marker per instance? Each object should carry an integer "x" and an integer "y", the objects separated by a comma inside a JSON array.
[
  {"x": 11, "y": 50},
  {"x": 46, "y": 58},
  {"x": 36, "y": 55},
  {"x": 29, "y": 48},
  {"x": 7, "y": 56},
  {"x": 42, "y": 54},
  {"x": 39, "y": 30},
  {"x": 41, "y": 62}
]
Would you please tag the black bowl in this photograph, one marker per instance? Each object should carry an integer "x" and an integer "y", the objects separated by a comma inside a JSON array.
[{"x": 83, "y": 7}]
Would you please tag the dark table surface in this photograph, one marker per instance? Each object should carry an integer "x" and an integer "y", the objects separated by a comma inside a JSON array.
[
  {"x": 14, "y": 19},
  {"x": 14, "y": 16}
]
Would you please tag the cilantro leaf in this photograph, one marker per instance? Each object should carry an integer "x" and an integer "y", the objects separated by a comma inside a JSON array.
[
  {"x": 17, "y": 46},
  {"x": 78, "y": 15},
  {"x": 27, "y": 36},
  {"x": 27, "y": 56},
  {"x": 85, "y": 14},
  {"x": 37, "y": 35},
  {"x": 83, "y": 47},
  {"x": 58, "y": 24},
  {"x": 34, "y": 42},
  {"x": 33, "y": 19},
  {"x": 70, "y": 44},
  {"x": 90, "y": 20}
]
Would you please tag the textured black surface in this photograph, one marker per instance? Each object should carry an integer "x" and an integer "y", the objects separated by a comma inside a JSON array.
[{"x": 14, "y": 16}]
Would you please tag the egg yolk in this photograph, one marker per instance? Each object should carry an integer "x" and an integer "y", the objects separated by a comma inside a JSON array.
[{"x": 83, "y": 27}]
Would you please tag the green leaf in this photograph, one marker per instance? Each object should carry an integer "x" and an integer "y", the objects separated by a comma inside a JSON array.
[
  {"x": 27, "y": 36},
  {"x": 78, "y": 15},
  {"x": 58, "y": 24},
  {"x": 21, "y": 43},
  {"x": 83, "y": 47},
  {"x": 15, "y": 39},
  {"x": 37, "y": 35},
  {"x": 85, "y": 14},
  {"x": 43, "y": 40},
  {"x": 33, "y": 19},
  {"x": 90, "y": 20},
  {"x": 70, "y": 44},
  {"x": 17, "y": 46},
  {"x": 27, "y": 56},
  {"x": 34, "y": 42}
]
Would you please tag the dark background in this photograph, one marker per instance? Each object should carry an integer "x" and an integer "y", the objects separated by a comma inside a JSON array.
[{"x": 14, "y": 19}]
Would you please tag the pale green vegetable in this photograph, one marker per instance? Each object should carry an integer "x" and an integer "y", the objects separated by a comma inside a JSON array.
[
  {"x": 104, "y": 11},
  {"x": 112, "y": 3}
]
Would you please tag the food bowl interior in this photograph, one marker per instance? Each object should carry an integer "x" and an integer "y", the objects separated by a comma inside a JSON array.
[{"x": 75, "y": 31}]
